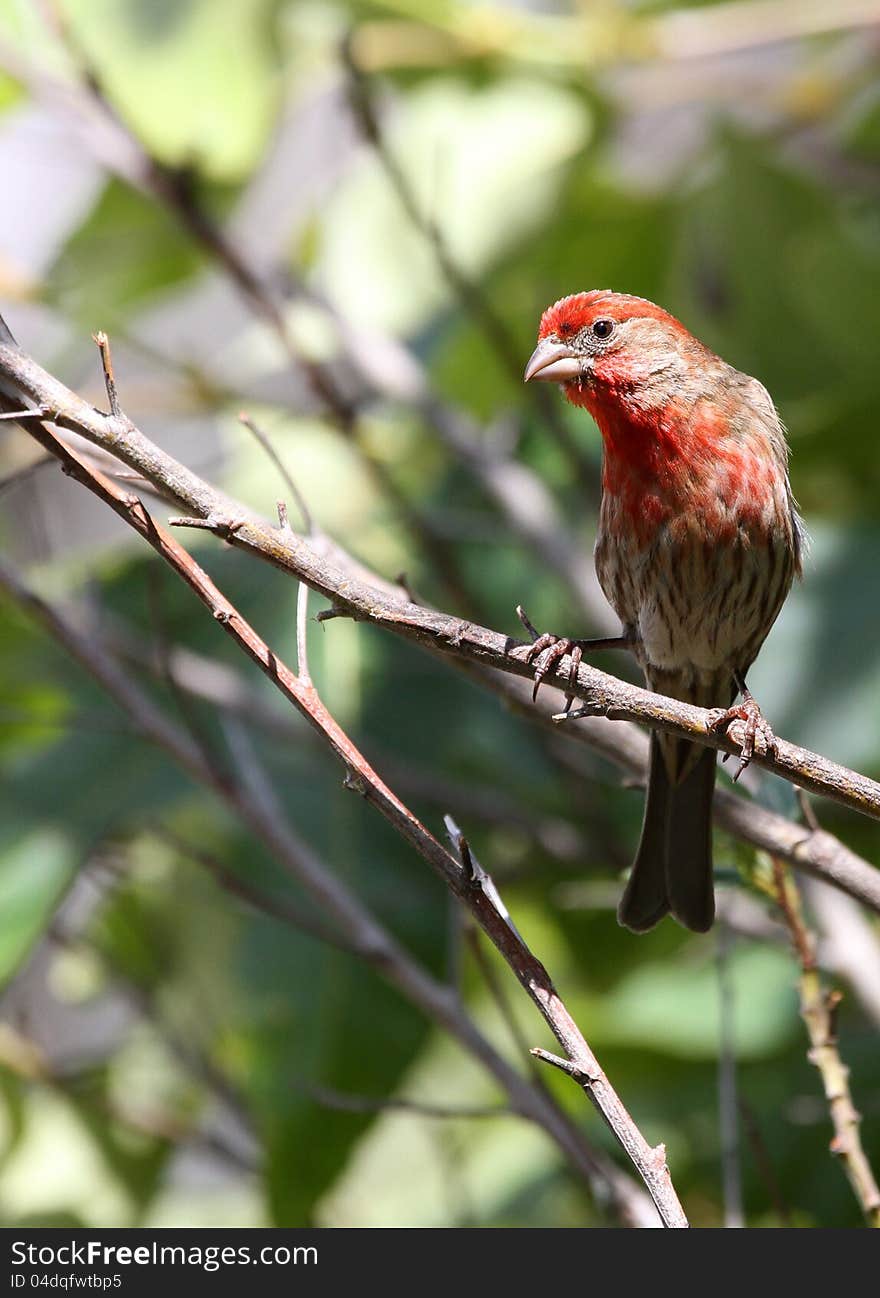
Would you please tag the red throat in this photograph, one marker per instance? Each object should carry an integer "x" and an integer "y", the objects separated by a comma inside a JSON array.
[{"x": 656, "y": 467}]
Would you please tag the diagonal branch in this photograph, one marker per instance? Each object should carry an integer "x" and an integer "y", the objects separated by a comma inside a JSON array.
[
  {"x": 359, "y": 931},
  {"x": 599, "y": 693}
]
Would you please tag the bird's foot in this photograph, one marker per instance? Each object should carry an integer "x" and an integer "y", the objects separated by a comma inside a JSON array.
[
  {"x": 547, "y": 650},
  {"x": 758, "y": 734}
]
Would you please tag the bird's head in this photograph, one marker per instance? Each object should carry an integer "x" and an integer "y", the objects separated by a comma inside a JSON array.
[{"x": 605, "y": 347}]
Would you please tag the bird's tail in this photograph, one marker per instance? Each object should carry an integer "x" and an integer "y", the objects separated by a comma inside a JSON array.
[{"x": 673, "y": 866}]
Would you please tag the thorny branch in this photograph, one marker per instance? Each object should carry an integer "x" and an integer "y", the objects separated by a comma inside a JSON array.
[{"x": 356, "y": 929}]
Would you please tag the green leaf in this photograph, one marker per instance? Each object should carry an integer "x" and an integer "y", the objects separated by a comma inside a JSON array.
[
  {"x": 194, "y": 79},
  {"x": 34, "y": 870},
  {"x": 638, "y": 1011},
  {"x": 127, "y": 251}
]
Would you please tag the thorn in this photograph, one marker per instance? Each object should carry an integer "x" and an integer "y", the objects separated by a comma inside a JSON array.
[
  {"x": 103, "y": 344},
  {"x": 38, "y": 412},
  {"x": 219, "y": 526},
  {"x": 576, "y": 714},
  {"x": 461, "y": 845},
  {"x": 354, "y": 783},
  {"x": 464, "y": 851},
  {"x": 327, "y": 614},
  {"x": 567, "y": 1066}
]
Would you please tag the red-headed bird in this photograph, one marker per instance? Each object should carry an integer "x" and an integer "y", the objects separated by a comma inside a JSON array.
[{"x": 699, "y": 540}]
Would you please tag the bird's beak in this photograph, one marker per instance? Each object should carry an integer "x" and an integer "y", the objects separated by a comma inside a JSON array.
[{"x": 553, "y": 363}]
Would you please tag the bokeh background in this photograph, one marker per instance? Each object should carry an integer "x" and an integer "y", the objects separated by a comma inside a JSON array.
[{"x": 167, "y": 1055}]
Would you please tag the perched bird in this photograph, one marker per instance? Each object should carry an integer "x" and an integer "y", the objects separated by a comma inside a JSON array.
[{"x": 699, "y": 540}]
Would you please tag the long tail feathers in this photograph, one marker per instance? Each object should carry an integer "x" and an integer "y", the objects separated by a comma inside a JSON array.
[{"x": 673, "y": 866}]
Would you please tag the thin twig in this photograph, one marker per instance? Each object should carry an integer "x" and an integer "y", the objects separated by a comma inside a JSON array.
[
  {"x": 266, "y": 442},
  {"x": 302, "y": 642},
  {"x": 811, "y": 820},
  {"x": 18, "y": 415},
  {"x": 819, "y": 1012},
  {"x": 103, "y": 344},
  {"x": 764, "y": 1163},
  {"x": 496, "y": 991},
  {"x": 346, "y": 1102}
]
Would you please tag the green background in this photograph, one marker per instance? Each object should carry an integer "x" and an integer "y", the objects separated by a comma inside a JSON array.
[{"x": 576, "y": 147}]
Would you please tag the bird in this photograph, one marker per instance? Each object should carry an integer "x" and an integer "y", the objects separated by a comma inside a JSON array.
[{"x": 698, "y": 543}]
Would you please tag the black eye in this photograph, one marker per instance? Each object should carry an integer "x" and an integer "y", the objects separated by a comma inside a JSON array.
[{"x": 603, "y": 328}]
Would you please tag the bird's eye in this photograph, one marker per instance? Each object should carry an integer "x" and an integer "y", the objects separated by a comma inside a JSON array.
[{"x": 603, "y": 328}]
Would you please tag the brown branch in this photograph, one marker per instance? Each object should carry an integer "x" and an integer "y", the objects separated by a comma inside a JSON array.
[
  {"x": 819, "y": 1012},
  {"x": 582, "y": 1069},
  {"x": 361, "y": 776},
  {"x": 355, "y": 597},
  {"x": 600, "y": 694}
]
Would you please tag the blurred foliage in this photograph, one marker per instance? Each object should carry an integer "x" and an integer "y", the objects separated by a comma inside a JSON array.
[{"x": 747, "y": 204}]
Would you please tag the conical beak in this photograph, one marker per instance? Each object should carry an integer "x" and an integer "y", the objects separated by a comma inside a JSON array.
[{"x": 553, "y": 363}]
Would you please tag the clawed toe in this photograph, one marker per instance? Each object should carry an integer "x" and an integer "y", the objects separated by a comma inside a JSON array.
[
  {"x": 553, "y": 653},
  {"x": 758, "y": 734},
  {"x": 545, "y": 652}
]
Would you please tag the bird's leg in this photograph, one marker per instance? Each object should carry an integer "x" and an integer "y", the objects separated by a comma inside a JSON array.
[
  {"x": 546, "y": 650},
  {"x": 749, "y": 712}
]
